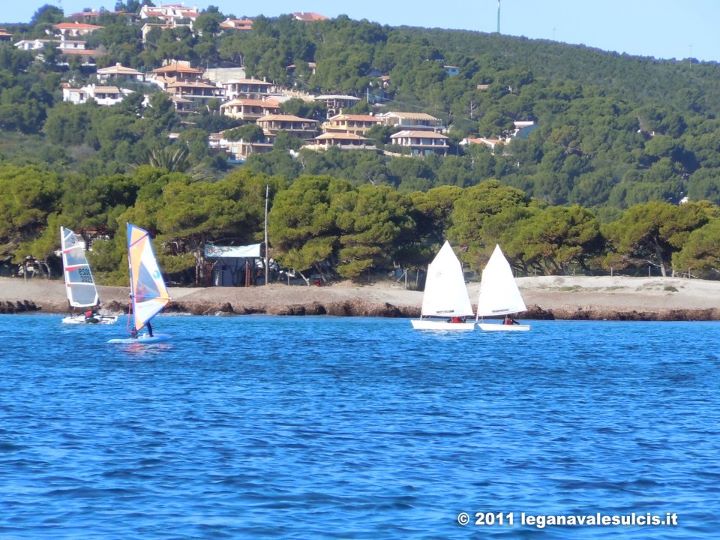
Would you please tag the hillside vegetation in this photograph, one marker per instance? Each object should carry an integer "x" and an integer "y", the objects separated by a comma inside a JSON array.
[{"x": 620, "y": 142}]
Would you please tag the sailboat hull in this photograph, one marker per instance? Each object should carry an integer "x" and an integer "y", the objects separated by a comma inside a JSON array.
[
  {"x": 142, "y": 339},
  {"x": 427, "y": 324},
  {"x": 490, "y": 327},
  {"x": 80, "y": 319}
]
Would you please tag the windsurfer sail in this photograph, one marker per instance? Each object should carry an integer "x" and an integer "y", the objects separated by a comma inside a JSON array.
[{"x": 148, "y": 292}]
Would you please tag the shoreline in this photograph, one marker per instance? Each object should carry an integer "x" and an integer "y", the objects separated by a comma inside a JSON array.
[{"x": 547, "y": 297}]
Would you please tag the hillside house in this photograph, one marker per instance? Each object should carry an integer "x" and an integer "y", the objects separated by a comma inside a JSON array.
[
  {"x": 183, "y": 106},
  {"x": 308, "y": 16},
  {"x": 249, "y": 110},
  {"x": 174, "y": 71},
  {"x": 421, "y": 143},
  {"x": 343, "y": 141},
  {"x": 74, "y": 29},
  {"x": 119, "y": 72},
  {"x": 357, "y": 124},
  {"x": 272, "y": 124},
  {"x": 242, "y": 25},
  {"x": 238, "y": 150},
  {"x": 246, "y": 89},
  {"x": 103, "y": 95},
  {"x": 87, "y": 56},
  {"x": 171, "y": 14},
  {"x": 412, "y": 121},
  {"x": 485, "y": 141},
  {"x": 199, "y": 92},
  {"x": 5, "y": 36},
  {"x": 35, "y": 44}
]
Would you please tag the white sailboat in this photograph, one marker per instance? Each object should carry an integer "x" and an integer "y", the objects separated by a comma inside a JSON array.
[
  {"x": 499, "y": 295},
  {"x": 79, "y": 284},
  {"x": 446, "y": 303},
  {"x": 148, "y": 292}
]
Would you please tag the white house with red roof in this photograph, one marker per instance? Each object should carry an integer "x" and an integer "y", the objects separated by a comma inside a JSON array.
[
  {"x": 170, "y": 13},
  {"x": 69, "y": 30},
  {"x": 242, "y": 25},
  {"x": 308, "y": 16}
]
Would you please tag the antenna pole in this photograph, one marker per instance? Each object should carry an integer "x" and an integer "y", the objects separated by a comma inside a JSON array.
[{"x": 498, "y": 18}]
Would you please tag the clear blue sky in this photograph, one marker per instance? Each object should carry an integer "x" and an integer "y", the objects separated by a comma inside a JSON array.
[{"x": 659, "y": 28}]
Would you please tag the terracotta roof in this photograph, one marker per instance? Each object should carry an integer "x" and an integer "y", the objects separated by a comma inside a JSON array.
[
  {"x": 237, "y": 24},
  {"x": 345, "y": 136},
  {"x": 107, "y": 90},
  {"x": 193, "y": 84},
  {"x": 247, "y": 81},
  {"x": 179, "y": 67},
  {"x": 118, "y": 69},
  {"x": 410, "y": 115},
  {"x": 284, "y": 117},
  {"x": 77, "y": 25},
  {"x": 418, "y": 134},
  {"x": 355, "y": 117},
  {"x": 308, "y": 16},
  {"x": 267, "y": 103},
  {"x": 83, "y": 52}
]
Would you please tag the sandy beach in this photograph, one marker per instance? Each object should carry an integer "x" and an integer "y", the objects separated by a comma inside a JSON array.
[{"x": 560, "y": 297}]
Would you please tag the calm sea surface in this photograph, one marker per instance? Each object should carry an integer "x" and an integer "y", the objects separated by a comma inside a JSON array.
[{"x": 320, "y": 427}]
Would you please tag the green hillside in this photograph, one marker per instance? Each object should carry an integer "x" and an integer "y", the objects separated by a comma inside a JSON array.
[{"x": 614, "y": 136}]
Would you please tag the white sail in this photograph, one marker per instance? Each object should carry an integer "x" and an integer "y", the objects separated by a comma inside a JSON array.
[
  {"x": 79, "y": 284},
  {"x": 499, "y": 294},
  {"x": 445, "y": 291}
]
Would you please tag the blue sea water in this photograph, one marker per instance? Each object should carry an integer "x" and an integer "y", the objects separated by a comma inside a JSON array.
[{"x": 322, "y": 427}]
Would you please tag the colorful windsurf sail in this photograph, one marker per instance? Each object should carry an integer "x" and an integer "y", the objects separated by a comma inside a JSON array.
[
  {"x": 79, "y": 284},
  {"x": 147, "y": 289}
]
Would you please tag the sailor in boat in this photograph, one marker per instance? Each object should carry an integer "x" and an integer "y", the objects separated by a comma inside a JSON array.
[
  {"x": 91, "y": 316},
  {"x": 456, "y": 320},
  {"x": 510, "y": 320}
]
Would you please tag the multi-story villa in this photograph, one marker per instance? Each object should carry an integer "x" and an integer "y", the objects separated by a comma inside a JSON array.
[
  {"x": 412, "y": 121},
  {"x": 249, "y": 109},
  {"x": 246, "y": 89},
  {"x": 272, "y": 124},
  {"x": 119, "y": 73},
  {"x": 421, "y": 143},
  {"x": 358, "y": 124},
  {"x": 344, "y": 141}
]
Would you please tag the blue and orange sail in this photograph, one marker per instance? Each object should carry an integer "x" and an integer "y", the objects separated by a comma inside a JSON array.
[{"x": 148, "y": 292}]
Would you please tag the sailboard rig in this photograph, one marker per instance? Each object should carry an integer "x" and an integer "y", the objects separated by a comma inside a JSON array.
[
  {"x": 148, "y": 293},
  {"x": 446, "y": 303},
  {"x": 80, "y": 286},
  {"x": 499, "y": 295}
]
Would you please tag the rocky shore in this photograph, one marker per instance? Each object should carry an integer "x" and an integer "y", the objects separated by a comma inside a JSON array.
[{"x": 547, "y": 297}]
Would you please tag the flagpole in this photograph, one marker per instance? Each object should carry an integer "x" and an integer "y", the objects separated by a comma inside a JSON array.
[{"x": 267, "y": 195}]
